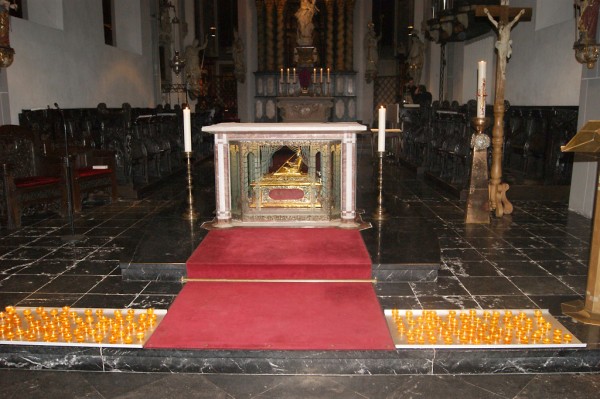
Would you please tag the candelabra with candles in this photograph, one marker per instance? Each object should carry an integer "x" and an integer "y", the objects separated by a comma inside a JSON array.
[
  {"x": 380, "y": 212},
  {"x": 304, "y": 83},
  {"x": 190, "y": 213}
]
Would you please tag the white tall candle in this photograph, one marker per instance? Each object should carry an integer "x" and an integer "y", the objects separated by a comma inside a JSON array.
[
  {"x": 281, "y": 78},
  {"x": 288, "y": 75},
  {"x": 381, "y": 132},
  {"x": 187, "y": 130},
  {"x": 481, "y": 89},
  {"x": 314, "y": 75},
  {"x": 321, "y": 77},
  {"x": 294, "y": 78},
  {"x": 328, "y": 79}
]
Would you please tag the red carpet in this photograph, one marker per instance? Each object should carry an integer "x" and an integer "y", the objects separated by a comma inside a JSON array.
[
  {"x": 277, "y": 315},
  {"x": 281, "y": 253},
  {"x": 274, "y": 316}
]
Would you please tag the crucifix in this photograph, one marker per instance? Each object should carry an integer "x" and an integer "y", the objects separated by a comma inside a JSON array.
[{"x": 503, "y": 17}]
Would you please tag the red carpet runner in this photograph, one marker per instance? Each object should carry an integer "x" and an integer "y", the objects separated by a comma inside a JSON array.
[{"x": 276, "y": 315}]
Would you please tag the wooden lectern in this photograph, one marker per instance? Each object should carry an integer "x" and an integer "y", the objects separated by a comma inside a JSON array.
[{"x": 587, "y": 140}]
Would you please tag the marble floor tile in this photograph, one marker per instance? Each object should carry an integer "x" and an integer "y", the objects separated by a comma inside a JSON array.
[
  {"x": 541, "y": 285},
  {"x": 489, "y": 286}
]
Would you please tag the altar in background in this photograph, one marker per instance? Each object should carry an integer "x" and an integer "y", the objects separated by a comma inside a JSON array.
[{"x": 285, "y": 173}]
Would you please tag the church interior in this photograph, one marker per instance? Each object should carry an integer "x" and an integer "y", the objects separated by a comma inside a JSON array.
[{"x": 454, "y": 137}]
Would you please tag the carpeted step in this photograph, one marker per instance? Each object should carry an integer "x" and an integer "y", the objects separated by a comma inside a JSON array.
[
  {"x": 281, "y": 253},
  {"x": 274, "y": 316}
]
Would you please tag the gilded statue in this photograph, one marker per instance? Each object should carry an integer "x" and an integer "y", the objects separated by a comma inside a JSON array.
[
  {"x": 304, "y": 15},
  {"x": 371, "y": 43},
  {"x": 292, "y": 166},
  {"x": 588, "y": 21}
]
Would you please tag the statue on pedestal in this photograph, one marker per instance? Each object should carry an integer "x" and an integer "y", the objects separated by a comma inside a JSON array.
[
  {"x": 238, "y": 57},
  {"x": 371, "y": 43},
  {"x": 304, "y": 15}
]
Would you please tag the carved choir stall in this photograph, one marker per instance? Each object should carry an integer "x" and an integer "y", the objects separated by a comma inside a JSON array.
[{"x": 276, "y": 174}]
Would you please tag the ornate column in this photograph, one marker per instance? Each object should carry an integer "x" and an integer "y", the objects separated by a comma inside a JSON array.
[
  {"x": 348, "y": 194},
  {"x": 223, "y": 205},
  {"x": 349, "y": 59},
  {"x": 270, "y": 39},
  {"x": 260, "y": 28},
  {"x": 280, "y": 32},
  {"x": 341, "y": 32},
  {"x": 329, "y": 45}
]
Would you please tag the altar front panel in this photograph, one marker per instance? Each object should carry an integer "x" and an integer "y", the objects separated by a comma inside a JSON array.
[{"x": 319, "y": 188}]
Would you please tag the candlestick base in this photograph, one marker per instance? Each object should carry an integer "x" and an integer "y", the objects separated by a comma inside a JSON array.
[
  {"x": 190, "y": 213},
  {"x": 478, "y": 200},
  {"x": 380, "y": 213}
]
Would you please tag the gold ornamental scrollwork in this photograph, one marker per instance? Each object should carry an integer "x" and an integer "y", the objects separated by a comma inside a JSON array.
[{"x": 6, "y": 52}]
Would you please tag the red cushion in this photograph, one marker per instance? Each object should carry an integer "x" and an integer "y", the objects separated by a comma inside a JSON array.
[
  {"x": 286, "y": 194},
  {"x": 34, "y": 181},
  {"x": 85, "y": 172}
]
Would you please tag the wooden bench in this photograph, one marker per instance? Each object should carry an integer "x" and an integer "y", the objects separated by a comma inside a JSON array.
[
  {"x": 94, "y": 173},
  {"x": 31, "y": 181}
]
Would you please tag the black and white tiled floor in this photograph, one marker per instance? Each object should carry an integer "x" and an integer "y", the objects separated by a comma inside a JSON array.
[{"x": 536, "y": 257}]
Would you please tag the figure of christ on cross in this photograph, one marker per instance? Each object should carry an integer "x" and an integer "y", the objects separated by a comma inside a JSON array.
[{"x": 500, "y": 16}]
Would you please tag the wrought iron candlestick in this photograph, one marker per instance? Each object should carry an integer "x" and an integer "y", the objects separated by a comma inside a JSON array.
[
  {"x": 380, "y": 213},
  {"x": 190, "y": 213},
  {"x": 478, "y": 198}
]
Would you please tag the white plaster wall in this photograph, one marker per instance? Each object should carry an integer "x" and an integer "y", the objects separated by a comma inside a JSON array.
[
  {"x": 543, "y": 69},
  {"x": 74, "y": 68},
  {"x": 45, "y": 12},
  {"x": 584, "y": 179}
]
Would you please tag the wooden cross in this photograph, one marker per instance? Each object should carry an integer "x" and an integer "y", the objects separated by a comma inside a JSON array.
[{"x": 503, "y": 17}]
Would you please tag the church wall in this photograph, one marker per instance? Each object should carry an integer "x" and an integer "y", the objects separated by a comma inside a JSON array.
[
  {"x": 542, "y": 69},
  {"x": 584, "y": 178},
  {"x": 74, "y": 68}
]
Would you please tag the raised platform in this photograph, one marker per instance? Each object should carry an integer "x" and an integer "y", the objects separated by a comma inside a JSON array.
[{"x": 406, "y": 361}]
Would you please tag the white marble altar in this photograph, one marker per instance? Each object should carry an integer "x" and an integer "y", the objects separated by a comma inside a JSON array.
[{"x": 236, "y": 145}]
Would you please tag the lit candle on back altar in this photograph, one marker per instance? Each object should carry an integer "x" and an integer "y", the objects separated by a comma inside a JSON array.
[
  {"x": 381, "y": 131},
  {"x": 321, "y": 78},
  {"x": 328, "y": 80},
  {"x": 294, "y": 76},
  {"x": 187, "y": 129},
  {"x": 281, "y": 79},
  {"x": 481, "y": 89},
  {"x": 288, "y": 75}
]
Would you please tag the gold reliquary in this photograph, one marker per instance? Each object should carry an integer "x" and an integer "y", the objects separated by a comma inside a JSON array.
[{"x": 288, "y": 187}]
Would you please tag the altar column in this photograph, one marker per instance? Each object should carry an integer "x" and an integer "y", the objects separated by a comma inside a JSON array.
[
  {"x": 329, "y": 44},
  {"x": 339, "y": 64},
  {"x": 280, "y": 33},
  {"x": 348, "y": 214},
  {"x": 270, "y": 39},
  {"x": 260, "y": 32},
  {"x": 223, "y": 183},
  {"x": 349, "y": 64}
]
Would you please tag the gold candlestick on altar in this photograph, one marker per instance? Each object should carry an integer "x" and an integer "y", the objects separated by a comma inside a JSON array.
[
  {"x": 190, "y": 213},
  {"x": 587, "y": 141},
  {"x": 497, "y": 190},
  {"x": 478, "y": 200},
  {"x": 380, "y": 213}
]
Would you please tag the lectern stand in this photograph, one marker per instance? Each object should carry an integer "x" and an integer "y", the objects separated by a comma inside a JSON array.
[{"x": 587, "y": 140}]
